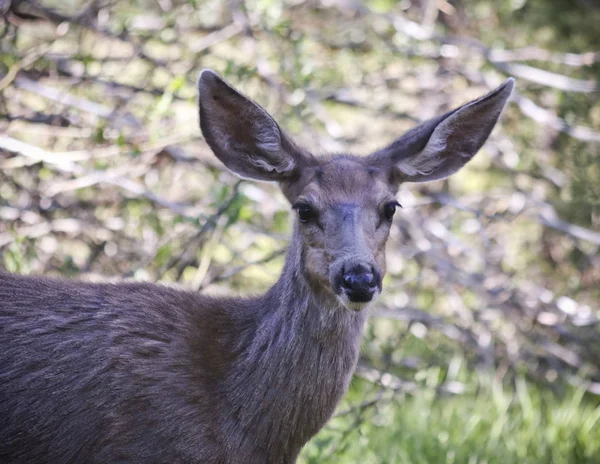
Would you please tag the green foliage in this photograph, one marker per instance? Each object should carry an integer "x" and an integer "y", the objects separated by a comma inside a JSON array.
[{"x": 497, "y": 426}]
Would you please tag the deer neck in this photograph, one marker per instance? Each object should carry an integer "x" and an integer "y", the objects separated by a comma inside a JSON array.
[{"x": 299, "y": 362}]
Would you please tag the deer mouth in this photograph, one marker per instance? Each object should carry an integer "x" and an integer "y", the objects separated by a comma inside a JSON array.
[
  {"x": 362, "y": 296},
  {"x": 356, "y": 304},
  {"x": 357, "y": 300}
]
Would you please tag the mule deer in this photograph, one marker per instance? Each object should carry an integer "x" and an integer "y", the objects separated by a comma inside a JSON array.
[{"x": 135, "y": 372}]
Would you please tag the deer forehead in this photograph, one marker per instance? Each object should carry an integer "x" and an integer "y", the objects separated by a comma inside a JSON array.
[{"x": 347, "y": 180}]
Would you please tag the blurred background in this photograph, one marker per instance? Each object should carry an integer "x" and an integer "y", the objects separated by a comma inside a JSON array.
[{"x": 485, "y": 345}]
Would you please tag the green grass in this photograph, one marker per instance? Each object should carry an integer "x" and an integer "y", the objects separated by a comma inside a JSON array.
[{"x": 522, "y": 425}]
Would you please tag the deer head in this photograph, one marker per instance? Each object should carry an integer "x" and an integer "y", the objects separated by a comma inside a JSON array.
[{"x": 344, "y": 204}]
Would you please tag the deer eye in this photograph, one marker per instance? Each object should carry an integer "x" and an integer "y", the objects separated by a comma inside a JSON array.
[
  {"x": 389, "y": 209},
  {"x": 305, "y": 212}
]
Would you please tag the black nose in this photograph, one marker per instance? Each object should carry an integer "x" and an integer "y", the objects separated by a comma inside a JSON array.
[{"x": 360, "y": 283}]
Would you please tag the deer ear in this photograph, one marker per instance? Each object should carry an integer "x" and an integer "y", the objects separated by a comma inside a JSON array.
[
  {"x": 242, "y": 134},
  {"x": 441, "y": 146}
]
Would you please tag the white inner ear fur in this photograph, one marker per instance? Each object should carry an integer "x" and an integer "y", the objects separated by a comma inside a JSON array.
[
  {"x": 267, "y": 137},
  {"x": 478, "y": 122},
  {"x": 429, "y": 159},
  {"x": 283, "y": 165},
  {"x": 433, "y": 156}
]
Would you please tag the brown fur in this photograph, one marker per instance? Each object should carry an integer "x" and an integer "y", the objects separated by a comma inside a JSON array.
[{"x": 142, "y": 373}]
